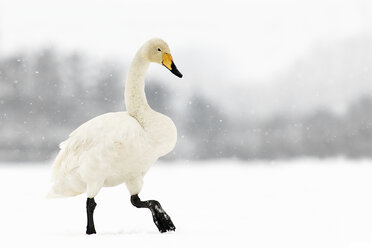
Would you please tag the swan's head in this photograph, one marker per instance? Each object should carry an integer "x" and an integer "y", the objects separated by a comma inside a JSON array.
[{"x": 157, "y": 51}]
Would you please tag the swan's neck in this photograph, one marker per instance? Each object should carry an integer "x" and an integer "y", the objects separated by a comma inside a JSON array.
[
  {"x": 135, "y": 98},
  {"x": 162, "y": 134}
]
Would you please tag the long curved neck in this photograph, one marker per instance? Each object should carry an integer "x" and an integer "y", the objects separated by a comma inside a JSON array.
[{"x": 135, "y": 98}]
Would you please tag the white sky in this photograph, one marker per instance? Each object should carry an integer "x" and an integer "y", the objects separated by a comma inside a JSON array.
[{"x": 251, "y": 39}]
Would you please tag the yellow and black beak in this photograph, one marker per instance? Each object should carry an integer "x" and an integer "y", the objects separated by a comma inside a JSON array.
[{"x": 168, "y": 62}]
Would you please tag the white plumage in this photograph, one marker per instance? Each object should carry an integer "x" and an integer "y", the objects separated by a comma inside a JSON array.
[{"x": 120, "y": 147}]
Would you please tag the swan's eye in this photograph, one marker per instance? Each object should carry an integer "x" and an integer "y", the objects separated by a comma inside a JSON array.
[{"x": 159, "y": 50}]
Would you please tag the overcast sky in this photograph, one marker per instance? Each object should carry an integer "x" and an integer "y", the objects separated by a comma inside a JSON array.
[{"x": 251, "y": 39}]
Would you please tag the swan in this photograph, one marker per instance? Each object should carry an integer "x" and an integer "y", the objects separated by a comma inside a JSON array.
[{"x": 119, "y": 147}]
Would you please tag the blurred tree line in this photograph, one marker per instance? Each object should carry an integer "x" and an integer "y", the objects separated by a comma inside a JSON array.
[{"x": 44, "y": 96}]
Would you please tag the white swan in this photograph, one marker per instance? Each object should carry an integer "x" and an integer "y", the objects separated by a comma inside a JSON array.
[{"x": 116, "y": 148}]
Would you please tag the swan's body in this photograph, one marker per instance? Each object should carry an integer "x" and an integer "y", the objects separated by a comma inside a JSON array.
[
  {"x": 111, "y": 149},
  {"x": 116, "y": 148}
]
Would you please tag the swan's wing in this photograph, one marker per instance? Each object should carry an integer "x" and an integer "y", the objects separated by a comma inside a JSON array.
[{"x": 101, "y": 134}]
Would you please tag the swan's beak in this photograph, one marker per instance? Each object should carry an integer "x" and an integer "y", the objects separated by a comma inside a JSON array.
[{"x": 168, "y": 62}]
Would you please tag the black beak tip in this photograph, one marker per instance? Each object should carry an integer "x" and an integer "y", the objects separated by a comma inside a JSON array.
[
  {"x": 179, "y": 74},
  {"x": 175, "y": 71}
]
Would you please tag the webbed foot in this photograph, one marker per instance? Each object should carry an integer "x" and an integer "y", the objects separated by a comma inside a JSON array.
[{"x": 161, "y": 219}]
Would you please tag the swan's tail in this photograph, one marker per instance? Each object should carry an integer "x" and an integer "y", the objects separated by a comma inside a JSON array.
[
  {"x": 52, "y": 194},
  {"x": 61, "y": 191},
  {"x": 58, "y": 173},
  {"x": 57, "y": 165}
]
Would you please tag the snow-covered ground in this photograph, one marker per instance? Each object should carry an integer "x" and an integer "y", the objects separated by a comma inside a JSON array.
[{"x": 306, "y": 203}]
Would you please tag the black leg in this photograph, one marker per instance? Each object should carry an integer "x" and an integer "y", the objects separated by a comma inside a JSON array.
[
  {"x": 91, "y": 205},
  {"x": 160, "y": 217}
]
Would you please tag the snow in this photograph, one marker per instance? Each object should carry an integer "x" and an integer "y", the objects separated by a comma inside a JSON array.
[{"x": 304, "y": 203}]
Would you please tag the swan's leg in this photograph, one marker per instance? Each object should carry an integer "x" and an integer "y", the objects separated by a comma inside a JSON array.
[
  {"x": 160, "y": 217},
  {"x": 91, "y": 205},
  {"x": 92, "y": 191}
]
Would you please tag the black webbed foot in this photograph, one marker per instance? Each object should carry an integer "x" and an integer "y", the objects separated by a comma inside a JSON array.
[
  {"x": 90, "y": 230},
  {"x": 161, "y": 219}
]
